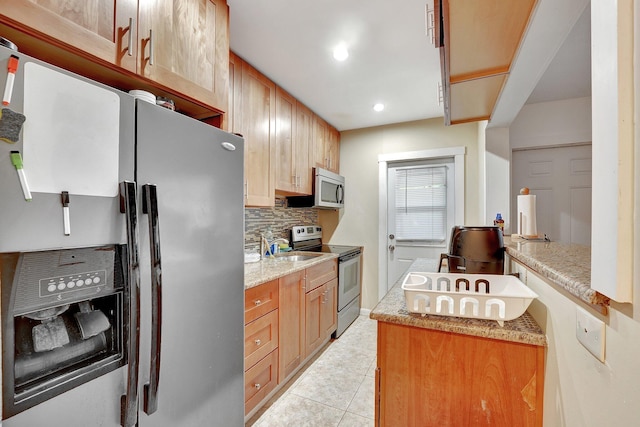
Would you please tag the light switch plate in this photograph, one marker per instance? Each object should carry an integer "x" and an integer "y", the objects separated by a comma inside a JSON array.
[{"x": 590, "y": 332}]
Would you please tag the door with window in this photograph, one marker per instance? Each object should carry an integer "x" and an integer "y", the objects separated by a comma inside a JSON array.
[{"x": 420, "y": 203}]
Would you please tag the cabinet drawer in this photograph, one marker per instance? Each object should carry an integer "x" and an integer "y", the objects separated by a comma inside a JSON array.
[
  {"x": 260, "y": 300},
  {"x": 260, "y": 338},
  {"x": 321, "y": 273},
  {"x": 260, "y": 380}
]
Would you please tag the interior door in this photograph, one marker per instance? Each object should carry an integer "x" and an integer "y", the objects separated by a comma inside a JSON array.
[
  {"x": 420, "y": 203},
  {"x": 560, "y": 177}
]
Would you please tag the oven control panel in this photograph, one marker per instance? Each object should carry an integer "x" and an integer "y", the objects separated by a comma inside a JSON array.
[{"x": 306, "y": 232}]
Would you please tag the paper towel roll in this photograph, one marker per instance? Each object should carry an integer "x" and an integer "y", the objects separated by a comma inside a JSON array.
[{"x": 527, "y": 215}]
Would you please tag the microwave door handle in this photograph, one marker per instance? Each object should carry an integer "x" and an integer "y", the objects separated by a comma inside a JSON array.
[
  {"x": 129, "y": 401},
  {"x": 150, "y": 208},
  {"x": 340, "y": 194}
]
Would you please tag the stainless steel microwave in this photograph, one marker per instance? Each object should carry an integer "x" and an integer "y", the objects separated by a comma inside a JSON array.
[{"x": 328, "y": 192}]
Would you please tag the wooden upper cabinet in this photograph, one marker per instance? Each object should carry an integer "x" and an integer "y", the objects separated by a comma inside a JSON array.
[
  {"x": 294, "y": 132},
  {"x": 100, "y": 29},
  {"x": 286, "y": 173},
  {"x": 233, "y": 118},
  {"x": 172, "y": 48},
  {"x": 333, "y": 149},
  {"x": 320, "y": 131},
  {"x": 185, "y": 46},
  {"x": 304, "y": 143},
  {"x": 258, "y": 106},
  {"x": 478, "y": 42},
  {"x": 326, "y": 146}
]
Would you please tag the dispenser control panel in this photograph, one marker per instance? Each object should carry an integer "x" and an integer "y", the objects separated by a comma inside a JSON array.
[{"x": 70, "y": 283}]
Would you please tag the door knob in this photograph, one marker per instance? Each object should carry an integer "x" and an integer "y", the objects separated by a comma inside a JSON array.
[
  {"x": 392, "y": 248},
  {"x": 391, "y": 236}
]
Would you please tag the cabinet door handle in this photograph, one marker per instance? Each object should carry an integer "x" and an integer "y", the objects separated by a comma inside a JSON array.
[
  {"x": 257, "y": 386},
  {"x": 151, "y": 61},
  {"x": 257, "y": 302},
  {"x": 258, "y": 342},
  {"x": 130, "y": 46}
]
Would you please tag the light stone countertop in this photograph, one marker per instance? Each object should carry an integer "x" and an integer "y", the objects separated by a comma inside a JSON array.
[
  {"x": 566, "y": 265},
  {"x": 257, "y": 273},
  {"x": 392, "y": 309}
]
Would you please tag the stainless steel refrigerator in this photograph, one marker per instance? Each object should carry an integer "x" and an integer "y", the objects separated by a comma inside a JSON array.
[{"x": 155, "y": 196}]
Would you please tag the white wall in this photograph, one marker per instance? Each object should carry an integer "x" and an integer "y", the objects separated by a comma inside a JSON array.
[
  {"x": 545, "y": 124},
  {"x": 497, "y": 176},
  {"x": 555, "y": 123},
  {"x": 357, "y": 223},
  {"x": 581, "y": 391}
]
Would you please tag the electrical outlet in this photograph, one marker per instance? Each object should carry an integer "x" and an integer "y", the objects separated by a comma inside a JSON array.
[{"x": 590, "y": 333}]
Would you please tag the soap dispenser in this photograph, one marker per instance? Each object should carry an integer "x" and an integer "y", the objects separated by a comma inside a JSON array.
[{"x": 499, "y": 222}]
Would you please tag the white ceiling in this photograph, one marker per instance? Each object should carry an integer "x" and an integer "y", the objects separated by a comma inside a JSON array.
[{"x": 391, "y": 59}]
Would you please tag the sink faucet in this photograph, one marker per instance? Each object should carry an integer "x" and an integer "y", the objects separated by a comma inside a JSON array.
[{"x": 264, "y": 241}]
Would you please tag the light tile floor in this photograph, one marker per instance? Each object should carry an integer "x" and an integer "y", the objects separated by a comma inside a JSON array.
[{"x": 337, "y": 389}]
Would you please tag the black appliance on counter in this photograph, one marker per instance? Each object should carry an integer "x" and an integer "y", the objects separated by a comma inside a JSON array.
[
  {"x": 309, "y": 238},
  {"x": 475, "y": 250}
]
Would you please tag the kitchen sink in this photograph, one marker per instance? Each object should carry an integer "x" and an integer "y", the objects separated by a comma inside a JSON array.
[{"x": 296, "y": 257}]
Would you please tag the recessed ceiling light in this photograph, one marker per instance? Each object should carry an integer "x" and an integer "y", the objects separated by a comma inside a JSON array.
[
  {"x": 340, "y": 53},
  {"x": 378, "y": 107}
]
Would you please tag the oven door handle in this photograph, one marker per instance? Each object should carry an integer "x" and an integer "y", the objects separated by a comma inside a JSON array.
[
  {"x": 150, "y": 208},
  {"x": 129, "y": 401}
]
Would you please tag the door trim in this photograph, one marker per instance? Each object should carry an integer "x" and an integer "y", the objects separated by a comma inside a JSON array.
[{"x": 457, "y": 153}]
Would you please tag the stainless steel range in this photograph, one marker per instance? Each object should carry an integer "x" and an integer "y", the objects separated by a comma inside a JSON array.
[{"x": 309, "y": 238}]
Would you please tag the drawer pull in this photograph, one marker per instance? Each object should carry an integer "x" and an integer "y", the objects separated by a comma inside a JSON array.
[
  {"x": 258, "y": 342},
  {"x": 257, "y": 386},
  {"x": 257, "y": 302}
]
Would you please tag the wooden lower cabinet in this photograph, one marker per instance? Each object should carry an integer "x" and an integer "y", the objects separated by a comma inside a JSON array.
[
  {"x": 321, "y": 273},
  {"x": 260, "y": 380},
  {"x": 321, "y": 316},
  {"x": 432, "y": 378},
  {"x": 260, "y": 300},
  {"x": 292, "y": 298},
  {"x": 260, "y": 338},
  {"x": 329, "y": 309},
  {"x": 286, "y": 322},
  {"x": 313, "y": 331}
]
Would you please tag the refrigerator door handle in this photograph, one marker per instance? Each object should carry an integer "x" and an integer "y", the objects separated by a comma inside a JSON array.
[
  {"x": 129, "y": 401},
  {"x": 150, "y": 208}
]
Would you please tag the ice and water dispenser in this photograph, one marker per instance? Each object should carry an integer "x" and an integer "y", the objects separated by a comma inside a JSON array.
[{"x": 63, "y": 320}]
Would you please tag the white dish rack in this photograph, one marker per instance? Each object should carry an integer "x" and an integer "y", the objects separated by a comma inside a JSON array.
[{"x": 477, "y": 296}]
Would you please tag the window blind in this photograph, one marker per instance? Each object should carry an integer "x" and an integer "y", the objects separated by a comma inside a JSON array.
[{"x": 421, "y": 203}]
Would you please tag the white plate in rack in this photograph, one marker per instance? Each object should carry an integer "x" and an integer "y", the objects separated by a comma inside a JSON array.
[{"x": 477, "y": 296}]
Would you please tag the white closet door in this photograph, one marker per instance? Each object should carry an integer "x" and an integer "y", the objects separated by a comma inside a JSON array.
[{"x": 560, "y": 177}]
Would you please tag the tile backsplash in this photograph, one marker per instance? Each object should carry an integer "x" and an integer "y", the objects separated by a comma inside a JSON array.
[{"x": 278, "y": 219}]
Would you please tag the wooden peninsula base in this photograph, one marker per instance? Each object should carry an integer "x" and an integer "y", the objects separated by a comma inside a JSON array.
[{"x": 433, "y": 378}]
